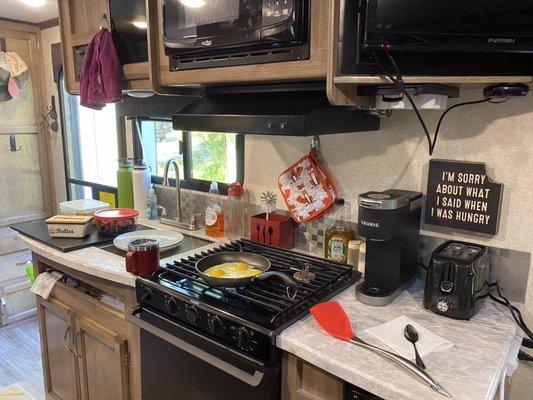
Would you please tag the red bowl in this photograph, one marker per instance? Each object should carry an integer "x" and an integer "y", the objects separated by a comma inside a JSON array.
[{"x": 116, "y": 221}]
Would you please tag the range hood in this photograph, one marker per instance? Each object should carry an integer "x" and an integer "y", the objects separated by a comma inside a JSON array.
[{"x": 304, "y": 113}]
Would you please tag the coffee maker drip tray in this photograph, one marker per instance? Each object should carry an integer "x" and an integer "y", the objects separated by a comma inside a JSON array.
[{"x": 375, "y": 294}]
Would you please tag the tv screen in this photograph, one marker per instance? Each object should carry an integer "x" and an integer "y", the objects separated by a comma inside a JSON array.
[{"x": 466, "y": 25}]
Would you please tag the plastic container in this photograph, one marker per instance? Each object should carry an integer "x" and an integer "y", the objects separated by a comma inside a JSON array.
[
  {"x": 235, "y": 213},
  {"x": 125, "y": 183},
  {"x": 353, "y": 254},
  {"x": 116, "y": 221},
  {"x": 141, "y": 178},
  {"x": 82, "y": 207},
  {"x": 69, "y": 226},
  {"x": 214, "y": 214}
]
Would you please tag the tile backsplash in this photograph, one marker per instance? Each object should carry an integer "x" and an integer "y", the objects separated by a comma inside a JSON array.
[{"x": 509, "y": 268}]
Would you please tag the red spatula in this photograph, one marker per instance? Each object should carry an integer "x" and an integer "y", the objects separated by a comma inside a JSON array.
[{"x": 333, "y": 319}]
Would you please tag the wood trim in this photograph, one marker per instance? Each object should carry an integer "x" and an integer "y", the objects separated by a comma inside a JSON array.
[
  {"x": 315, "y": 68},
  {"x": 19, "y": 26},
  {"x": 20, "y": 129},
  {"x": 303, "y": 381}
]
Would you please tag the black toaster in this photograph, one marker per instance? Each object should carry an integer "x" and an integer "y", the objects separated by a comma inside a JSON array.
[{"x": 456, "y": 281}]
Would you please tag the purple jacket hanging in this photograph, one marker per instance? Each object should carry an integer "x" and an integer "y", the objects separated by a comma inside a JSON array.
[{"x": 101, "y": 73}]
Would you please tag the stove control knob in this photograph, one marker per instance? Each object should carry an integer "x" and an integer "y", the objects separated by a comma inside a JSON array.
[
  {"x": 443, "y": 305},
  {"x": 146, "y": 294},
  {"x": 216, "y": 327},
  {"x": 243, "y": 338},
  {"x": 192, "y": 313},
  {"x": 172, "y": 306}
]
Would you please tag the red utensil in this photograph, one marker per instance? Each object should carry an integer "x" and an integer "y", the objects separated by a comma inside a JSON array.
[{"x": 331, "y": 316}]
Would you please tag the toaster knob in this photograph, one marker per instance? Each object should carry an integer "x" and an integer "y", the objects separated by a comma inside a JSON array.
[
  {"x": 443, "y": 305},
  {"x": 446, "y": 286}
]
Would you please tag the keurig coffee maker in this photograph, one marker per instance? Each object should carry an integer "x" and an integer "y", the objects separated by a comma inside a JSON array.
[{"x": 390, "y": 223}]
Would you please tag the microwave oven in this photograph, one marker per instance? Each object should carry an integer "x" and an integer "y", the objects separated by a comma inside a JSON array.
[
  {"x": 449, "y": 25},
  {"x": 211, "y": 33}
]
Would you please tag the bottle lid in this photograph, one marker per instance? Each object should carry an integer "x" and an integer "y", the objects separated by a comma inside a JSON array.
[
  {"x": 213, "y": 187},
  {"x": 339, "y": 202},
  {"x": 354, "y": 244},
  {"x": 139, "y": 163},
  {"x": 235, "y": 190}
]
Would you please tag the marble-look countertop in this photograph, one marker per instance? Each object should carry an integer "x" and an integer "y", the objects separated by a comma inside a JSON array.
[
  {"x": 103, "y": 264},
  {"x": 483, "y": 349}
]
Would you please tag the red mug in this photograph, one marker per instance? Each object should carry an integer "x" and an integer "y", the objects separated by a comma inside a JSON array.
[{"x": 143, "y": 257}]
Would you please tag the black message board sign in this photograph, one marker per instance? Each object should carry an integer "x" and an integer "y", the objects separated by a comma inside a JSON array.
[{"x": 461, "y": 195}]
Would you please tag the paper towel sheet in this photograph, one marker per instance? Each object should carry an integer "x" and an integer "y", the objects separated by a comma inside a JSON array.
[
  {"x": 44, "y": 283},
  {"x": 391, "y": 333}
]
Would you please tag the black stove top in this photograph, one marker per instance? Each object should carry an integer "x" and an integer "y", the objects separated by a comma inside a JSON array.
[{"x": 258, "y": 311}]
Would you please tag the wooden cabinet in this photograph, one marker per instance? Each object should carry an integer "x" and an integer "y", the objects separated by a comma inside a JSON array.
[
  {"x": 59, "y": 362},
  {"x": 103, "y": 362},
  {"x": 79, "y": 21},
  {"x": 303, "y": 381},
  {"x": 84, "y": 347}
]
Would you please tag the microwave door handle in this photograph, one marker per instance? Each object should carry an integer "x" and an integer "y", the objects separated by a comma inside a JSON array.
[{"x": 251, "y": 379}]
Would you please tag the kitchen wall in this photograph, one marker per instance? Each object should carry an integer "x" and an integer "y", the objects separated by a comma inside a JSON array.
[{"x": 396, "y": 157}]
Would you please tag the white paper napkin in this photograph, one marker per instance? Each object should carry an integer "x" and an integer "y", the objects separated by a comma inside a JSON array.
[
  {"x": 391, "y": 333},
  {"x": 44, "y": 283}
]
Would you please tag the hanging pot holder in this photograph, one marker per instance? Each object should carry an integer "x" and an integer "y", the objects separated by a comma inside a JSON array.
[{"x": 306, "y": 188}]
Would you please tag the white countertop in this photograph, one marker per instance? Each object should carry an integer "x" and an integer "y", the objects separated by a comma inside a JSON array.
[
  {"x": 106, "y": 265},
  {"x": 471, "y": 370},
  {"x": 483, "y": 348}
]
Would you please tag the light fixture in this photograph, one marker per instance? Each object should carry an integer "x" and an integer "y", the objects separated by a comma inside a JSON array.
[
  {"x": 193, "y": 3},
  {"x": 140, "y": 24},
  {"x": 33, "y": 3}
]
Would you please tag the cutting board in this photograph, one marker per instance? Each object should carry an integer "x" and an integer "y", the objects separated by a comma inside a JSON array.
[{"x": 38, "y": 230}]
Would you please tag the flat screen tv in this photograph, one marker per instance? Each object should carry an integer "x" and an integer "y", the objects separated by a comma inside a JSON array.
[{"x": 450, "y": 25}]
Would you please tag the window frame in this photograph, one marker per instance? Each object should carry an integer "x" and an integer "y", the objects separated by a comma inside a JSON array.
[
  {"x": 187, "y": 181},
  {"x": 96, "y": 188}
]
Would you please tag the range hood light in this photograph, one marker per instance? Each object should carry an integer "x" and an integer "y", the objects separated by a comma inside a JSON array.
[
  {"x": 33, "y": 3},
  {"x": 140, "y": 24},
  {"x": 193, "y": 3}
]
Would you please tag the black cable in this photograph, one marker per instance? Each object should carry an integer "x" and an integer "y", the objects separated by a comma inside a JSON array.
[
  {"x": 515, "y": 312},
  {"x": 527, "y": 343},
  {"x": 523, "y": 356},
  {"x": 400, "y": 88}
]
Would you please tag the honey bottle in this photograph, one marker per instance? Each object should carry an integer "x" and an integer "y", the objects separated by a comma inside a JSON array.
[
  {"x": 214, "y": 213},
  {"x": 338, "y": 235}
]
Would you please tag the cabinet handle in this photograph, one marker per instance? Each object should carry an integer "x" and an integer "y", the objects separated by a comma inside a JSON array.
[
  {"x": 75, "y": 343},
  {"x": 67, "y": 331}
]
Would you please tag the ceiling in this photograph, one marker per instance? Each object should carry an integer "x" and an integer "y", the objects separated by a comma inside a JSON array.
[{"x": 14, "y": 9}]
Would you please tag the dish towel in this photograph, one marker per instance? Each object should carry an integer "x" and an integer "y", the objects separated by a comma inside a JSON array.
[
  {"x": 44, "y": 283},
  {"x": 391, "y": 333}
]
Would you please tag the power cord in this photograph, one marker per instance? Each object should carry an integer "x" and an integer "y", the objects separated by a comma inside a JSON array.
[
  {"x": 515, "y": 312},
  {"x": 400, "y": 88}
]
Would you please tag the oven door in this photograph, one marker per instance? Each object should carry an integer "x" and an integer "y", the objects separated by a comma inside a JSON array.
[
  {"x": 201, "y": 25},
  {"x": 177, "y": 362}
]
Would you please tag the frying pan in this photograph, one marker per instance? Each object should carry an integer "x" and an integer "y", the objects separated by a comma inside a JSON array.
[{"x": 252, "y": 259}]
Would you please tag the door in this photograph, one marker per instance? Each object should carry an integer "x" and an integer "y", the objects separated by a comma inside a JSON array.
[
  {"x": 103, "y": 362},
  {"x": 59, "y": 362}
]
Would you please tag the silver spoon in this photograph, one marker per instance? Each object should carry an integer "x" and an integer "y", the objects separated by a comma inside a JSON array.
[{"x": 411, "y": 335}]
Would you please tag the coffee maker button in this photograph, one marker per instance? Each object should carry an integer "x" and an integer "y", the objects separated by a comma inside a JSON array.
[
  {"x": 446, "y": 286},
  {"x": 443, "y": 305}
]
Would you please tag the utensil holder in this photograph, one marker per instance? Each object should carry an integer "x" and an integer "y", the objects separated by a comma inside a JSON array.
[{"x": 277, "y": 231}]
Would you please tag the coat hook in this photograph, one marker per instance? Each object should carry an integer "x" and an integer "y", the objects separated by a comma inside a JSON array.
[
  {"x": 104, "y": 23},
  {"x": 315, "y": 144},
  {"x": 13, "y": 143}
]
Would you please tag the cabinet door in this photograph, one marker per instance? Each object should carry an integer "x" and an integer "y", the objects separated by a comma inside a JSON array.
[
  {"x": 103, "y": 362},
  {"x": 59, "y": 362}
]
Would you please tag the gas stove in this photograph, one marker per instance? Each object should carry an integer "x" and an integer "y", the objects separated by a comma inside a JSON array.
[{"x": 248, "y": 319}]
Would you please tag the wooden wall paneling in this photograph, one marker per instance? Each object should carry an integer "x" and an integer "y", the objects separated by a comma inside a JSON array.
[{"x": 314, "y": 68}]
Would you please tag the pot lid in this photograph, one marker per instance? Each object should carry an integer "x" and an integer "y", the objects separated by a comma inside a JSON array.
[{"x": 116, "y": 213}]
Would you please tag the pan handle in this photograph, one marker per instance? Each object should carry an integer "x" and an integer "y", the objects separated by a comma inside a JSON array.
[{"x": 286, "y": 279}]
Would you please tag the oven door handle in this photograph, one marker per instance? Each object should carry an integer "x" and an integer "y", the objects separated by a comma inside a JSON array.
[{"x": 251, "y": 379}]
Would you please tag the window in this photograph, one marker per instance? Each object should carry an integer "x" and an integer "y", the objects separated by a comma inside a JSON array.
[
  {"x": 90, "y": 144},
  {"x": 203, "y": 156}
]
